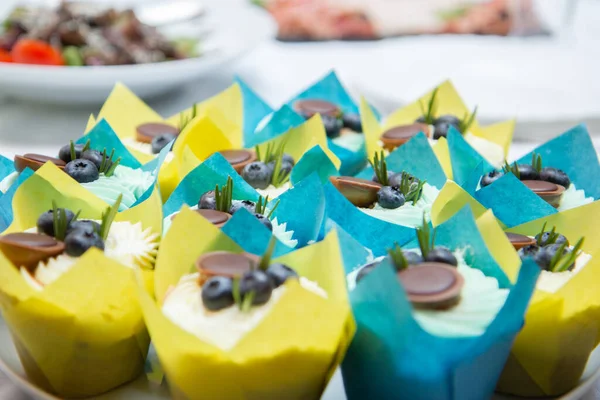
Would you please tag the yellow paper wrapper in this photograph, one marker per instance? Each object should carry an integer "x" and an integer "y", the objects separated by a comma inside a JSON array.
[
  {"x": 291, "y": 354},
  {"x": 448, "y": 102},
  {"x": 451, "y": 199},
  {"x": 561, "y": 328},
  {"x": 83, "y": 334}
]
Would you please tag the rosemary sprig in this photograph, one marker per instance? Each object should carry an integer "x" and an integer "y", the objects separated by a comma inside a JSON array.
[
  {"x": 108, "y": 216},
  {"x": 426, "y": 240},
  {"x": 408, "y": 188},
  {"x": 244, "y": 303},
  {"x": 185, "y": 118},
  {"x": 261, "y": 206},
  {"x": 247, "y": 301},
  {"x": 552, "y": 236},
  {"x": 380, "y": 167},
  {"x": 430, "y": 110},
  {"x": 60, "y": 223},
  {"x": 511, "y": 168},
  {"x": 85, "y": 147},
  {"x": 237, "y": 297},
  {"x": 397, "y": 257},
  {"x": 536, "y": 162},
  {"x": 273, "y": 209},
  {"x": 274, "y": 153},
  {"x": 223, "y": 196},
  {"x": 265, "y": 260},
  {"x": 107, "y": 165},
  {"x": 467, "y": 121},
  {"x": 561, "y": 262}
]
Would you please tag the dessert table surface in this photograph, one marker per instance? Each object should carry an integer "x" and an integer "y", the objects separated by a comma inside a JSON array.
[{"x": 275, "y": 71}]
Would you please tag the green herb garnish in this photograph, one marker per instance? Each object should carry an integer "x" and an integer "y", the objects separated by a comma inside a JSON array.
[
  {"x": 536, "y": 162},
  {"x": 85, "y": 147},
  {"x": 244, "y": 303},
  {"x": 274, "y": 153},
  {"x": 380, "y": 167},
  {"x": 430, "y": 110},
  {"x": 552, "y": 236},
  {"x": 265, "y": 260},
  {"x": 108, "y": 217},
  {"x": 426, "y": 240},
  {"x": 467, "y": 121},
  {"x": 561, "y": 262},
  {"x": 60, "y": 222},
  {"x": 397, "y": 257},
  {"x": 107, "y": 165},
  {"x": 223, "y": 196},
  {"x": 411, "y": 187},
  {"x": 261, "y": 206},
  {"x": 511, "y": 168},
  {"x": 185, "y": 118}
]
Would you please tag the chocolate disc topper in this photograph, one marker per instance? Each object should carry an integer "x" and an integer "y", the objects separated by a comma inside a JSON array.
[
  {"x": 432, "y": 285},
  {"x": 519, "y": 241},
  {"x": 550, "y": 192},
  {"x": 217, "y": 218},
  {"x": 223, "y": 263},
  {"x": 310, "y": 107},
  {"x": 35, "y": 161},
  {"x": 398, "y": 135},
  {"x": 146, "y": 132},
  {"x": 360, "y": 192},
  {"x": 28, "y": 249},
  {"x": 238, "y": 158}
]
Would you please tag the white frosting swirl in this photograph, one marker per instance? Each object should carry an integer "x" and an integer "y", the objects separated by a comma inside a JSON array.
[
  {"x": 224, "y": 328},
  {"x": 492, "y": 152},
  {"x": 273, "y": 192},
  {"x": 350, "y": 140},
  {"x": 8, "y": 181},
  {"x": 572, "y": 198}
]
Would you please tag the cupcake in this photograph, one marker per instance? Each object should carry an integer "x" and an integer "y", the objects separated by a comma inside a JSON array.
[
  {"x": 436, "y": 114},
  {"x": 545, "y": 359},
  {"x": 436, "y": 321},
  {"x": 68, "y": 272},
  {"x": 220, "y": 313}
]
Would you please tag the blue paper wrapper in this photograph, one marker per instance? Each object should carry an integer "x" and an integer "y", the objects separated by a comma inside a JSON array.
[
  {"x": 464, "y": 157},
  {"x": 392, "y": 357},
  {"x": 314, "y": 161},
  {"x": 6, "y": 212},
  {"x": 415, "y": 157},
  {"x": 278, "y": 123},
  {"x": 305, "y": 198},
  {"x": 255, "y": 109}
]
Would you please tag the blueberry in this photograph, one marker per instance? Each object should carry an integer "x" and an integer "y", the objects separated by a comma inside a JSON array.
[
  {"x": 528, "y": 251},
  {"x": 449, "y": 119},
  {"x": 84, "y": 224},
  {"x": 412, "y": 258},
  {"x": 546, "y": 235},
  {"x": 333, "y": 126},
  {"x": 259, "y": 282},
  {"x": 490, "y": 177},
  {"x": 528, "y": 173},
  {"x": 65, "y": 152},
  {"x": 441, "y": 130},
  {"x": 286, "y": 168},
  {"x": 208, "y": 201},
  {"x": 555, "y": 175},
  {"x": 366, "y": 270},
  {"x": 352, "y": 122},
  {"x": 421, "y": 120},
  {"x": 79, "y": 241},
  {"x": 159, "y": 142},
  {"x": 390, "y": 197},
  {"x": 441, "y": 255},
  {"x": 257, "y": 174},
  {"x": 217, "y": 293},
  {"x": 286, "y": 158},
  {"x": 544, "y": 256},
  {"x": 83, "y": 171},
  {"x": 279, "y": 273},
  {"x": 237, "y": 205},
  {"x": 264, "y": 220},
  {"x": 389, "y": 174},
  {"x": 94, "y": 156},
  {"x": 396, "y": 179},
  {"x": 45, "y": 223}
]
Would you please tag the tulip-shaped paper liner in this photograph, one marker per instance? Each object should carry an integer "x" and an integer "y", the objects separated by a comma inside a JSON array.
[
  {"x": 10, "y": 180},
  {"x": 392, "y": 357},
  {"x": 561, "y": 328},
  {"x": 350, "y": 149},
  {"x": 94, "y": 338},
  {"x": 447, "y": 101},
  {"x": 305, "y": 198},
  {"x": 291, "y": 354}
]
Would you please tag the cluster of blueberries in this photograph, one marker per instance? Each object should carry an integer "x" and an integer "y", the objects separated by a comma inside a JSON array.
[
  {"x": 390, "y": 196},
  {"x": 79, "y": 235},
  {"x": 546, "y": 248},
  {"x": 87, "y": 164},
  {"x": 259, "y": 174},
  {"x": 208, "y": 202},
  {"x": 442, "y": 125},
  {"x": 527, "y": 172}
]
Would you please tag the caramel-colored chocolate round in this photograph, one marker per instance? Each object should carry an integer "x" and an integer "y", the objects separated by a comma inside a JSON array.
[
  {"x": 146, "y": 132},
  {"x": 519, "y": 241},
  {"x": 550, "y": 192},
  {"x": 238, "y": 158},
  {"x": 398, "y": 135},
  {"x": 223, "y": 263},
  {"x": 360, "y": 192},
  {"x": 28, "y": 249},
  {"x": 432, "y": 285},
  {"x": 310, "y": 107},
  {"x": 215, "y": 217},
  {"x": 35, "y": 161}
]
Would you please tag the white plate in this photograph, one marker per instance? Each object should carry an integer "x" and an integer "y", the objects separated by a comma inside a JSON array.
[
  {"x": 236, "y": 28},
  {"x": 142, "y": 389}
]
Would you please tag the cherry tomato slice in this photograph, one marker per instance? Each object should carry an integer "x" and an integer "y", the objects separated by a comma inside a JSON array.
[
  {"x": 30, "y": 51},
  {"x": 5, "y": 56}
]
